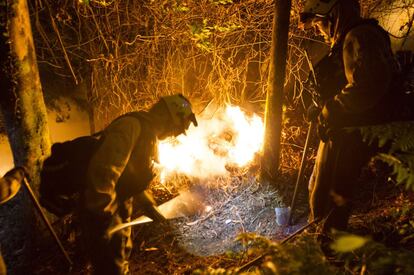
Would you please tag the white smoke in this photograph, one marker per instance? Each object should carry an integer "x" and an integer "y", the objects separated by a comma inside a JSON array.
[{"x": 230, "y": 137}]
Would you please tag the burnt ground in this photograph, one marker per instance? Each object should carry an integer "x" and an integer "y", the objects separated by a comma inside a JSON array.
[
  {"x": 240, "y": 204},
  {"x": 234, "y": 205},
  {"x": 382, "y": 211}
]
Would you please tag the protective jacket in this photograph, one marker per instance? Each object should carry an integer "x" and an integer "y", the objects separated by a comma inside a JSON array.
[
  {"x": 358, "y": 91},
  {"x": 368, "y": 94},
  {"x": 122, "y": 166},
  {"x": 120, "y": 169}
]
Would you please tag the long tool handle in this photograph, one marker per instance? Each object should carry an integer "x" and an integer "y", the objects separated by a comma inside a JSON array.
[
  {"x": 49, "y": 226},
  {"x": 301, "y": 171}
]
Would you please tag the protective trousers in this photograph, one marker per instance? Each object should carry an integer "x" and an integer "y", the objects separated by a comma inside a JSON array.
[
  {"x": 338, "y": 165},
  {"x": 109, "y": 254}
]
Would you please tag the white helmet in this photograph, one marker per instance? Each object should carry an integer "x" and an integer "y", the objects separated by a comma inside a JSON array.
[
  {"x": 180, "y": 110},
  {"x": 320, "y": 8}
]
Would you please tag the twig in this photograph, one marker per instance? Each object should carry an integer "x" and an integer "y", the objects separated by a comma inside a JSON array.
[
  {"x": 55, "y": 28},
  {"x": 261, "y": 257}
]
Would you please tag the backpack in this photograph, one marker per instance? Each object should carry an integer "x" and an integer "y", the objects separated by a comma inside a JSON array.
[
  {"x": 62, "y": 178},
  {"x": 63, "y": 175}
]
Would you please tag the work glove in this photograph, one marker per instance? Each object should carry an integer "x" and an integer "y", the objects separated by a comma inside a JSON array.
[
  {"x": 322, "y": 128},
  {"x": 10, "y": 184},
  {"x": 147, "y": 204},
  {"x": 164, "y": 224},
  {"x": 312, "y": 113},
  {"x": 154, "y": 213},
  {"x": 323, "y": 132},
  {"x": 330, "y": 120}
]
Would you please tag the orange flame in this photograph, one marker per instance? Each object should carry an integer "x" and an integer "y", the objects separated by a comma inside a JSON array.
[{"x": 230, "y": 137}]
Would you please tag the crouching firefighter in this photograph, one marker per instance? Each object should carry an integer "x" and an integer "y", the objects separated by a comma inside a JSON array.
[
  {"x": 356, "y": 85},
  {"x": 120, "y": 169}
]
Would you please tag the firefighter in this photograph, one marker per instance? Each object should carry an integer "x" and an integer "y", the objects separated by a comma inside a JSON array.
[
  {"x": 121, "y": 169},
  {"x": 355, "y": 85},
  {"x": 9, "y": 186}
]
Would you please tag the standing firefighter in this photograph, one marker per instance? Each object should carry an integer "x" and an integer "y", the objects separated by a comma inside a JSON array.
[
  {"x": 122, "y": 168},
  {"x": 355, "y": 86}
]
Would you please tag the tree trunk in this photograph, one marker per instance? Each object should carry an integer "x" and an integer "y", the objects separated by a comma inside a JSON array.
[
  {"x": 24, "y": 115},
  {"x": 274, "y": 98}
]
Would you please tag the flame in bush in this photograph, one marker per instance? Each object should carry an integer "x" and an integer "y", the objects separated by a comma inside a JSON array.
[{"x": 229, "y": 138}]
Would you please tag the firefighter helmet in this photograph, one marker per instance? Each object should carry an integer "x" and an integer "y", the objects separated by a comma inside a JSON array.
[
  {"x": 320, "y": 8},
  {"x": 180, "y": 110}
]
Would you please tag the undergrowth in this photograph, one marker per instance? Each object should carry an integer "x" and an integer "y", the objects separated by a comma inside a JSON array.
[
  {"x": 398, "y": 144},
  {"x": 128, "y": 53},
  {"x": 354, "y": 255}
]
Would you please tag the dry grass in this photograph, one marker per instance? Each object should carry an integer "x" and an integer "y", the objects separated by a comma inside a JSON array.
[
  {"x": 244, "y": 206},
  {"x": 128, "y": 53},
  {"x": 131, "y": 52}
]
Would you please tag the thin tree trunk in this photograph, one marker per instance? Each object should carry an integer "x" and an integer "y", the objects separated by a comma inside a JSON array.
[
  {"x": 274, "y": 99},
  {"x": 24, "y": 115}
]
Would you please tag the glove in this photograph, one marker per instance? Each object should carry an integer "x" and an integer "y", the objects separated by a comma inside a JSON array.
[
  {"x": 155, "y": 214},
  {"x": 148, "y": 205},
  {"x": 326, "y": 131},
  {"x": 333, "y": 115},
  {"x": 330, "y": 120},
  {"x": 322, "y": 132},
  {"x": 312, "y": 113},
  {"x": 164, "y": 224},
  {"x": 10, "y": 184}
]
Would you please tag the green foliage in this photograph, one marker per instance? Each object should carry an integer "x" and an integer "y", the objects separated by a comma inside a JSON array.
[
  {"x": 402, "y": 166},
  {"x": 302, "y": 255},
  {"x": 348, "y": 243},
  {"x": 202, "y": 33},
  {"x": 213, "y": 271},
  {"x": 397, "y": 135},
  {"x": 102, "y": 3},
  {"x": 397, "y": 139},
  {"x": 376, "y": 258},
  {"x": 255, "y": 243},
  {"x": 182, "y": 8},
  {"x": 221, "y": 2},
  {"x": 403, "y": 214}
]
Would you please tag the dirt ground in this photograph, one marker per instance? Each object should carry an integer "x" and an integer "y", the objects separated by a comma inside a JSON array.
[
  {"x": 237, "y": 205},
  {"x": 234, "y": 205}
]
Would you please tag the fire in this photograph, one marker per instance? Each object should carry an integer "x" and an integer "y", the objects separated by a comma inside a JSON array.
[{"x": 229, "y": 138}]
